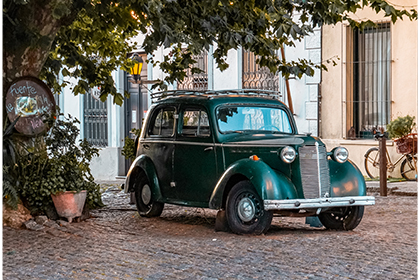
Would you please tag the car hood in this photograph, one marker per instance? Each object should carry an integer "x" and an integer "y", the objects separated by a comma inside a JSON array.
[{"x": 271, "y": 140}]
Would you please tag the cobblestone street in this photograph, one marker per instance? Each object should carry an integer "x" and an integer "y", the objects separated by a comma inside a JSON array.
[{"x": 116, "y": 243}]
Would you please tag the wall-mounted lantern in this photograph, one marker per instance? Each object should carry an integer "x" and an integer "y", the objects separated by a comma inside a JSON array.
[{"x": 135, "y": 71}]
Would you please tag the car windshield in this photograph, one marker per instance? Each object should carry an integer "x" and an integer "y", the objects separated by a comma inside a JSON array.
[{"x": 241, "y": 119}]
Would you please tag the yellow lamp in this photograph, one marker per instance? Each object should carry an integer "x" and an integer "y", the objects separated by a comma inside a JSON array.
[{"x": 135, "y": 71}]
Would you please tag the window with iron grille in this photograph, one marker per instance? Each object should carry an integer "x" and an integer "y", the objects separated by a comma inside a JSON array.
[
  {"x": 95, "y": 120},
  {"x": 368, "y": 79},
  {"x": 256, "y": 77},
  {"x": 197, "y": 81}
]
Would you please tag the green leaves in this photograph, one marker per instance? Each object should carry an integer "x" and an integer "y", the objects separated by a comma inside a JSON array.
[
  {"x": 91, "y": 48},
  {"x": 60, "y": 10},
  {"x": 53, "y": 163},
  {"x": 401, "y": 126},
  {"x": 92, "y": 40},
  {"x": 129, "y": 150}
]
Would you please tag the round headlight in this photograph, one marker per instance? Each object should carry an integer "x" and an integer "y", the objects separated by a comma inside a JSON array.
[
  {"x": 288, "y": 154},
  {"x": 340, "y": 154}
]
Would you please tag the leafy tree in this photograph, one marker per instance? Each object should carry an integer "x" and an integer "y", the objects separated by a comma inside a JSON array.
[{"x": 87, "y": 39}]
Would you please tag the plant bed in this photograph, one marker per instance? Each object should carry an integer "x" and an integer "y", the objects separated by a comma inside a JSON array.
[{"x": 52, "y": 163}]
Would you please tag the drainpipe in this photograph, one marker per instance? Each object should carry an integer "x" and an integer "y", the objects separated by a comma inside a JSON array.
[
  {"x": 289, "y": 96},
  {"x": 319, "y": 130}
]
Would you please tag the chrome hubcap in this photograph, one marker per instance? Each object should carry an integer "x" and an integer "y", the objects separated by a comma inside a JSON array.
[
  {"x": 246, "y": 209},
  {"x": 146, "y": 194}
]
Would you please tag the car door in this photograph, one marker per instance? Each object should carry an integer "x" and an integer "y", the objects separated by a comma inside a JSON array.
[
  {"x": 159, "y": 146},
  {"x": 194, "y": 158}
]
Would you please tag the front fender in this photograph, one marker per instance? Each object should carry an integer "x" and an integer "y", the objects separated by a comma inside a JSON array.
[
  {"x": 346, "y": 179},
  {"x": 268, "y": 183},
  {"x": 141, "y": 166}
]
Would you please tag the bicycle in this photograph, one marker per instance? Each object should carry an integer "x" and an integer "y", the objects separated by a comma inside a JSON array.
[{"x": 408, "y": 167}]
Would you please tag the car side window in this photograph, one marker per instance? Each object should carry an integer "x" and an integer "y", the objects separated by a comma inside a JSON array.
[
  {"x": 163, "y": 123},
  {"x": 195, "y": 123}
]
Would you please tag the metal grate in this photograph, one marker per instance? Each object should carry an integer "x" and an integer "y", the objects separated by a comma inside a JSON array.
[
  {"x": 95, "y": 121},
  {"x": 256, "y": 77},
  {"x": 369, "y": 89},
  {"x": 315, "y": 172},
  {"x": 197, "y": 81}
]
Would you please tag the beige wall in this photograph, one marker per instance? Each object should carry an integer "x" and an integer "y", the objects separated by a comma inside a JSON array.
[{"x": 404, "y": 93}]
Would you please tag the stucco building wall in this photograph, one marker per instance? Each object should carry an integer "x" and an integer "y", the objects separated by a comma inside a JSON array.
[{"x": 404, "y": 80}]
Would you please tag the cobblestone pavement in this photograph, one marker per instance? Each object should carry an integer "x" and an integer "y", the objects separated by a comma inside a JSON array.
[{"x": 116, "y": 243}]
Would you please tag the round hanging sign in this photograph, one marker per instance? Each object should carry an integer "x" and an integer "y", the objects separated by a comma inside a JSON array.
[
  {"x": 96, "y": 93},
  {"x": 29, "y": 98}
]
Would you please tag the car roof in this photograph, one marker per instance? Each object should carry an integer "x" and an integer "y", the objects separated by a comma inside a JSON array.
[{"x": 214, "y": 98}]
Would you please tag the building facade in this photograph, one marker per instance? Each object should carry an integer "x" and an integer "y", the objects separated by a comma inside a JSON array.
[
  {"x": 105, "y": 125},
  {"x": 374, "y": 81}
]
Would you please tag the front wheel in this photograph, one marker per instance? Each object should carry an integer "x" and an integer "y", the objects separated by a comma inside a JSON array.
[
  {"x": 146, "y": 205},
  {"x": 408, "y": 168},
  {"x": 372, "y": 163},
  {"x": 342, "y": 218},
  {"x": 245, "y": 210}
]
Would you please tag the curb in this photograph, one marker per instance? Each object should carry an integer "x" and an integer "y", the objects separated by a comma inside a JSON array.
[{"x": 405, "y": 188}]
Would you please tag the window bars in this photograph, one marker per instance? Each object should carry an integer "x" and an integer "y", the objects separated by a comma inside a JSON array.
[
  {"x": 369, "y": 79},
  {"x": 95, "y": 121},
  {"x": 198, "y": 81},
  {"x": 256, "y": 77}
]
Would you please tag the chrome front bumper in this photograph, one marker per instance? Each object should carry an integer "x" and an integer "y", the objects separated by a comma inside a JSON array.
[{"x": 289, "y": 204}]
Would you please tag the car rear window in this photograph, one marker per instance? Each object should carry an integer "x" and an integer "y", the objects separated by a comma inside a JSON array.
[{"x": 163, "y": 123}]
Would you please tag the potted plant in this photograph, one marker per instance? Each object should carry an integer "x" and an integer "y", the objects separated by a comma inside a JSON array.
[
  {"x": 401, "y": 130},
  {"x": 54, "y": 163}
]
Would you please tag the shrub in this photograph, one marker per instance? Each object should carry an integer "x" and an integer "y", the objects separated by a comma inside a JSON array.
[
  {"x": 10, "y": 193},
  {"x": 401, "y": 126},
  {"x": 129, "y": 150},
  {"x": 52, "y": 163}
]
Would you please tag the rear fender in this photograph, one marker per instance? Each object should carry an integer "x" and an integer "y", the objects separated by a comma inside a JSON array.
[
  {"x": 346, "y": 179},
  {"x": 268, "y": 183},
  {"x": 141, "y": 166}
]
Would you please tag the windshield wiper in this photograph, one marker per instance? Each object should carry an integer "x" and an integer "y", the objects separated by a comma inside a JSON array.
[{"x": 234, "y": 131}]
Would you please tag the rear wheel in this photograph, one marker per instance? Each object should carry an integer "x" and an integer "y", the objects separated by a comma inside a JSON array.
[
  {"x": 145, "y": 202},
  {"x": 245, "y": 210},
  {"x": 342, "y": 218},
  {"x": 408, "y": 168},
  {"x": 372, "y": 163}
]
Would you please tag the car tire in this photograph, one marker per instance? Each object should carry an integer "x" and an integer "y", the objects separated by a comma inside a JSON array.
[
  {"x": 145, "y": 202},
  {"x": 342, "y": 218},
  {"x": 245, "y": 210}
]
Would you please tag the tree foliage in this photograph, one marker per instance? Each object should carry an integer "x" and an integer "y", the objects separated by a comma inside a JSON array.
[{"x": 87, "y": 39}]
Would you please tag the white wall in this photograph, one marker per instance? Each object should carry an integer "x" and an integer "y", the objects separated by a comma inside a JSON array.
[
  {"x": 228, "y": 79},
  {"x": 304, "y": 91},
  {"x": 108, "y": 165}
]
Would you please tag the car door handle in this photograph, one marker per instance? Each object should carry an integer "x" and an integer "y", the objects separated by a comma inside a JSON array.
[
  {"x": 146, "y": 146},
  {"x": 208, "y": 149}
]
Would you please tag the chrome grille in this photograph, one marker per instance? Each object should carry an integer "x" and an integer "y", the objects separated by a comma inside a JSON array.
[{"x": 314, "y": 170}]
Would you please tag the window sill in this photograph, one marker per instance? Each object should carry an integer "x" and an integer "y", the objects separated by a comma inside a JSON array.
[{"x": 364, "y": 142}]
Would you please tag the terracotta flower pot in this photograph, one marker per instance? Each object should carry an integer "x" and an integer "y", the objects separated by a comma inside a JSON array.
[{"x": 69, "y": 204}]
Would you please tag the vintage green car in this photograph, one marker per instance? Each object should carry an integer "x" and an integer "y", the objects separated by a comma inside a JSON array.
[{"x": 240, "y": 152}]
